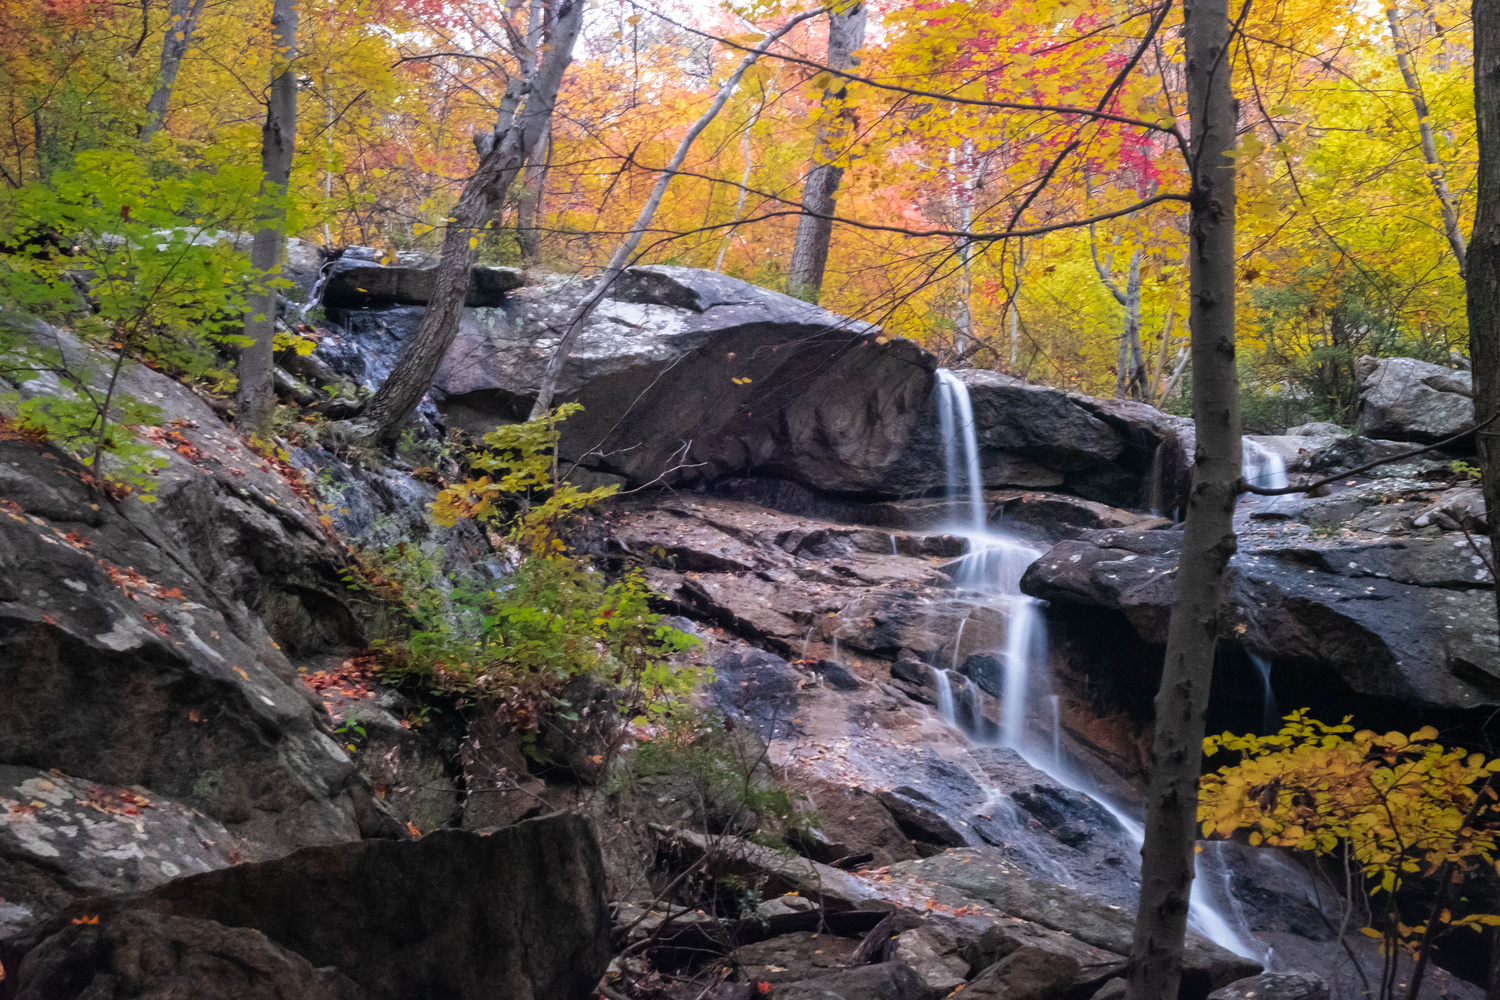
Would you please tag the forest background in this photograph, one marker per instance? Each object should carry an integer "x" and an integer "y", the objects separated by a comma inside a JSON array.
[{"x": 1343, "y": 185}]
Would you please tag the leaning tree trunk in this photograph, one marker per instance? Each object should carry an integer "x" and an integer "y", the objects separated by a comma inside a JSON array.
[
  {"x": 1435, "y": 172},
  {"x": 1482, "y": 276},
  {"x": 1208, "y": 537},
  {"x": 522, "y": 122},
  {"x": 846, "y": 33},
  {"x": 278, "y": 137},
  {"x": 181, "y": 22}
]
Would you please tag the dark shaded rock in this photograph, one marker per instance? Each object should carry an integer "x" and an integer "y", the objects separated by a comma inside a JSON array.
[
  {"x": 149, "y": 644},
  {"x": 1403, "y": 399},
  {"x": 836, "y": 675},
  {"x": 760, "y": 687},
  {"x": 985, "y": 670},
  {"x": 852, "y": 821},
  {"x": 1275, "y": 986},
  {"x": 152, "y": 957},
  {"x": 1408, "y": 619},
  {"x": 791, "y": 957},
  {"x": 63, "y": 838},
  {"x": 1028, "y": 973},
  {"x": 1071, "y": 816},
  {"x": 1351, "y": 452},
  {"x": 453, "y": 915},
  {"x": 931, "y": 805},
  {"x": 886, "y": 981},
  {"x": 360, "y": 284}
]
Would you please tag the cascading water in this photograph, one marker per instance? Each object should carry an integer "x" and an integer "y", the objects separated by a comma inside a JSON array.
[
  {"x": 1261, "y": 466},
  {"x": 993, "y": 567},
  {"x": 1270, "y": 715}
]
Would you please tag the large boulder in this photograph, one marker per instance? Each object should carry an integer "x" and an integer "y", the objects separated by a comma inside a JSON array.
[
  {"x": 516, "y": 913},
  {"x": 143, "y": 955},
  {"x": 155, "y": 646},
  {"x": 64, "y": 838},
  {"x": 692, "y": 378},
  {"x": 1403, "y": 399},
  {"x": 1411, "y": 619}
]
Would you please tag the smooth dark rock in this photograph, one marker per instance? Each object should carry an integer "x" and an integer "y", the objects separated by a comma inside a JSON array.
[
  {"x": 358, "y": 284},
  {"x": 517, "y": 913},
  {"x": 836, "y": 675},
  {"x": 137, "y": 954}
]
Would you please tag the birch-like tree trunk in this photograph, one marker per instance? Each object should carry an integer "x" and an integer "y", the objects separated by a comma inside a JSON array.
[
  {"x": 846, "y": 33},
  {"x": 632, "y": 241},
  {"x": 1130, "y": 364},
  {"x": 1435, "y": 172},
  {"x": 255, "y": 397},
  {"x": 1208, "y": 536},
  {"x": 182, "y": 19},
  {"x": 1482, "y": 278},
  {"x": 525, "y": 111}
]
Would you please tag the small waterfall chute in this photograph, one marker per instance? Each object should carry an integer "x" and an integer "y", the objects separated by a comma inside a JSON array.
[{"x": 992, "y": 568}]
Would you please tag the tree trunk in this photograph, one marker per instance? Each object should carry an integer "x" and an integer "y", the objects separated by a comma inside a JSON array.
[
  {"x": 182, "y": 19},
  {"x": 1136, "y": 388},
  {"x": 626, "y": 251},
  {"x": 1482, "y": 277},
  {"x": 1164, "y": 351},
  {"x": 529, "y": 211},
  {"x": 1208, "y": 537},
  {"x": 278, "y": 137},
  {"x": 1435, "y": 170},
  {"x": 519, "y": 129},
  {"x": 846, "y": 33}
]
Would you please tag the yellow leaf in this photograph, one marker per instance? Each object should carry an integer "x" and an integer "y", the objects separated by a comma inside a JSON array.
[{"x": 473, "y": 242}]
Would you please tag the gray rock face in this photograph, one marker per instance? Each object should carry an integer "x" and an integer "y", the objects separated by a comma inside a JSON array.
[
  {"x": 517, "y": 913},
  {"x": 152, "y": 648},
  {"x": 1403, "y": 399},
  {"x": 143, "y": 955},
  {"x": 1275, "y": 986},
  {"x": 63, "y": 838},
  {"x": 1406, "y": 618}
]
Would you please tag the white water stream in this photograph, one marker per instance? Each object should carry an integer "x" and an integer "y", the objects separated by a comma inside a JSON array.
[{"x": 993, "y": 568}]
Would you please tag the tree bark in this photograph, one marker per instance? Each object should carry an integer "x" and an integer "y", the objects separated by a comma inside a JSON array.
[
  {"x": 846, "y": 33},
  {"x": 256, "y": 393},
  {"x": 1130, "y": 363},
  {"x": 1435, "y": 170},
  {"x": 182, "y": 19},
  {"x": 529, "y": 210},
  {"x": 626, "y": 251},
  {"x": 1482, "y": 277},
  {"x": 524, "y": 115},
  {"x": 1208, "y": 536}
]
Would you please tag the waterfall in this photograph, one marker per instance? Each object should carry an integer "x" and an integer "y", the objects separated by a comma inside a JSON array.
[
  {"x": 956, "y": 422},
  {"x": 1270, "y": 715},
  {"x": 1261, "y": 466},
  {"x": 993, "y": 568}
]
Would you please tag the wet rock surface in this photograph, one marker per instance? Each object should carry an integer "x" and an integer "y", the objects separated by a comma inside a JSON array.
[{"x": 1364, "y": 583}]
